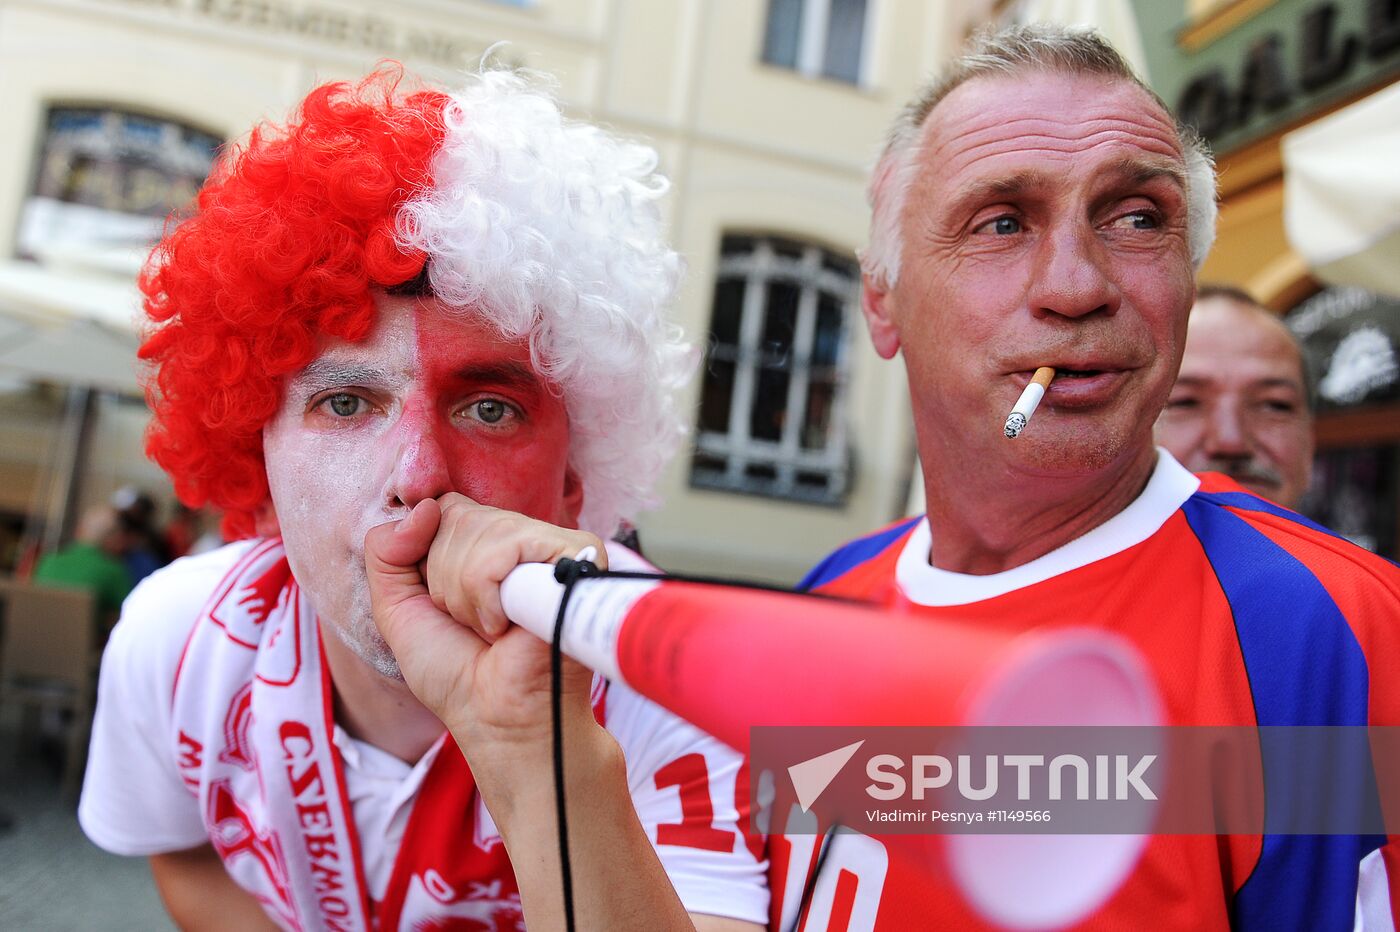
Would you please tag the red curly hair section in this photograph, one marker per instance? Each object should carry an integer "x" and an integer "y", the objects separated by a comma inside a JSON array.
[{"x": 289, "y": 235}]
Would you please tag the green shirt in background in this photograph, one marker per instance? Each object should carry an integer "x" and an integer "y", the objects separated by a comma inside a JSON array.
[{"x": 88, "y": 567}]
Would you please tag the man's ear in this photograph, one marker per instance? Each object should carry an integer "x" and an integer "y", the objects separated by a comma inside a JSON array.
[
  {"x": 265, "y": 520},
  {"x": 573, "y": 498},
  {"x": 875, "y": 305}
]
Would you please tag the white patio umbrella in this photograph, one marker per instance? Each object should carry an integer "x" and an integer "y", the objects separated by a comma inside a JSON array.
[
  {"x": 1341, "y": 200},
  {"x": 75, "y": 328},
  {"x": 69, "y": 291},
  {"x": 78, "y": 352}
]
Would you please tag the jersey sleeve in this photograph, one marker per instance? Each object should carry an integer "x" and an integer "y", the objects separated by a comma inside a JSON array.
[
  {"x": 691, "y": 794},
  {"x": 133, "y": 800},
  {"x": 853, "y": 554}
]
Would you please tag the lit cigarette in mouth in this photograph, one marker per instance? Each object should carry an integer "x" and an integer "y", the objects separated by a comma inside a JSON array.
[{"x": 1026, "y": 404}]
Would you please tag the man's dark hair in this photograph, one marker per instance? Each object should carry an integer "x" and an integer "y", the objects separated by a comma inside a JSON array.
[
  {"x": 419, "y": 286},
  {"x": 1232, "y": 292}
]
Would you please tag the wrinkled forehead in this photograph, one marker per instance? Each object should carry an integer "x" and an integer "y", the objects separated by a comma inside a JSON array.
[{"x": 999, "y": 124}]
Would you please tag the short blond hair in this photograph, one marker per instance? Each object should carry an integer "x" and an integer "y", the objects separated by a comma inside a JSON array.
[{"x": 1011, "y": 51}]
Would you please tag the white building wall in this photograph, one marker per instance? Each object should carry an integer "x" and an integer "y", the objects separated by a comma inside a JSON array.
[{"x": 750, "y": 147}]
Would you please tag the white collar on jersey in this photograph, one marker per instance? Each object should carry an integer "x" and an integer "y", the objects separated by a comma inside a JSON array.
[{"x": 1171, "y": 485}]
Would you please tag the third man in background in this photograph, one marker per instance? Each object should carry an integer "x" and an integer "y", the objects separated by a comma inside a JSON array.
[
  {"x": 1241, "y": 404},
  {"x": 92, "y": 561}
]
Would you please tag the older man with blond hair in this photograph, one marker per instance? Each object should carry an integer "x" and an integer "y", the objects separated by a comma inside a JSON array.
[{"x": 1038, "y": 206}]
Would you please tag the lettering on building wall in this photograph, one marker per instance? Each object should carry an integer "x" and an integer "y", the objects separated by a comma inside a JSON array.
[
  {"x": 381, "y": 35},
  {"x": 1268, "y": 79}
]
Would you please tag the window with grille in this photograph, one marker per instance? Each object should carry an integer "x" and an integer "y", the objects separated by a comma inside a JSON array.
[
  {"x": 818, "y": 38},
  {"x": 774, "y": 382}
]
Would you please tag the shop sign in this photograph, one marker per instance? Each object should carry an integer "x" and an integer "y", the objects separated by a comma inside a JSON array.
[
  {"x": 1269, "y": 78},
  {"x": 1351, "y": 338}
]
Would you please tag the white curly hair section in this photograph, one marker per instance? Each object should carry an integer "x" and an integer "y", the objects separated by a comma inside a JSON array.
[{"x": 551, "y": 230}]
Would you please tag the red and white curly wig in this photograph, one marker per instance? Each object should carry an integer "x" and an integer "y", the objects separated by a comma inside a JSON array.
[{"x": 549, "y": 229}]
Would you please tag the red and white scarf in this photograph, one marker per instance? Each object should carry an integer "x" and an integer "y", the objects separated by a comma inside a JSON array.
[{"x": 252, "y": 732}]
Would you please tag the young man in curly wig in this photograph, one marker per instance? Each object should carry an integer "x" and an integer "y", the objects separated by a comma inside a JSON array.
[{"x": 445, "y": 300}]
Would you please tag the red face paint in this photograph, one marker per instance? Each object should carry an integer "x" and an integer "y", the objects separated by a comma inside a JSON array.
[{"x": 433, "y": 401}]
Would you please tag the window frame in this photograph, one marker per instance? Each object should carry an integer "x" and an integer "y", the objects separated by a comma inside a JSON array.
[
  {"x": 812, "y": 35},
  {"x": 111, "y": 117},
  {"x": 737, "y": 447}
]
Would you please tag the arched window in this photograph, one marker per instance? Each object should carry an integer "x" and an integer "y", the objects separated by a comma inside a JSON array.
[
  {"x": 106, "y": 180},
  {"x": 771, "y": 419}
]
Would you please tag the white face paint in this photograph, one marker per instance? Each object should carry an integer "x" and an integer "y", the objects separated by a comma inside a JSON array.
[{"x": 431, "y": 402}]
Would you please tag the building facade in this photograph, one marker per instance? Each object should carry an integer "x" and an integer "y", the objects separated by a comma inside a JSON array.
[{"x": 766, "y": 113}]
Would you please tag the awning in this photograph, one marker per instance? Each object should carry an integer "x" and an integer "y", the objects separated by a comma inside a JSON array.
[
  {"x": 1341, "y": 203},
  {"x": 73, "y": 352},
  {"x": 68, "y": 326},
  {"x": 31, "y": 291}
]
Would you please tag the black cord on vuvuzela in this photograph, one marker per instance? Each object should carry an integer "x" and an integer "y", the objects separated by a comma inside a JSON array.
[
  {"x": 809, "y": 889},
  {"x": 567, "y": 572}
]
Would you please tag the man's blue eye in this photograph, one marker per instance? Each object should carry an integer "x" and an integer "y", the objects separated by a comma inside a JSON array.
[
  {"x": 344, "y": 405},
  {"x": 1143, "y": 220},
  {"x": 491, "y": 411},
  {"x": 1005, "y": 226}
]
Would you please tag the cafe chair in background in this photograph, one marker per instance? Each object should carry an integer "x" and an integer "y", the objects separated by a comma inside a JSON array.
[{"x": 48, "y": 660}]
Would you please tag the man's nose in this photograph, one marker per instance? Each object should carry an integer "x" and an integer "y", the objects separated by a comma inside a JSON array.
[
  {"x": 1072, "y": 275},
  {"x": 1227, "y": 435},
  {"x": 420, "y": 467}
]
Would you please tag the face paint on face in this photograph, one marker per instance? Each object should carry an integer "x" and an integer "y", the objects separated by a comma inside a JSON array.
[{"x": 433, "y": 401}]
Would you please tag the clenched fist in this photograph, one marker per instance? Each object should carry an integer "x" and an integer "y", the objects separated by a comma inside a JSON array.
[{"x": 435, "y": 580}]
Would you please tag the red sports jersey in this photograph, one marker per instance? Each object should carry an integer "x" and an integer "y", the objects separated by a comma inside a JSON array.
[{"x": 1246, "y": 613}]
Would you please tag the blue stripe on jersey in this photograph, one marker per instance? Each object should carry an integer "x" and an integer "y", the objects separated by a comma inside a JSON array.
[
  {"x": 854, "y": 554},
  {"x": 1247, "y": 502},
  {"x": 1254, "y": 503},
  {"x": 1305, "y": 667}
]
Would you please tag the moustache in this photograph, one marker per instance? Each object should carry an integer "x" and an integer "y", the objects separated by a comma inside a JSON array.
[{"x": 1245, "y": 471}]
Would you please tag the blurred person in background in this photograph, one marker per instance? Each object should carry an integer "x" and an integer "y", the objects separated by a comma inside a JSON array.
[
  {"x": 182, "y": 530},
  {"x": 1242, "y": 403},
  {"x": 209, "y": 536},
  {"x": 145, "y": 546},
  {"x": 93, "y": 561}
]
